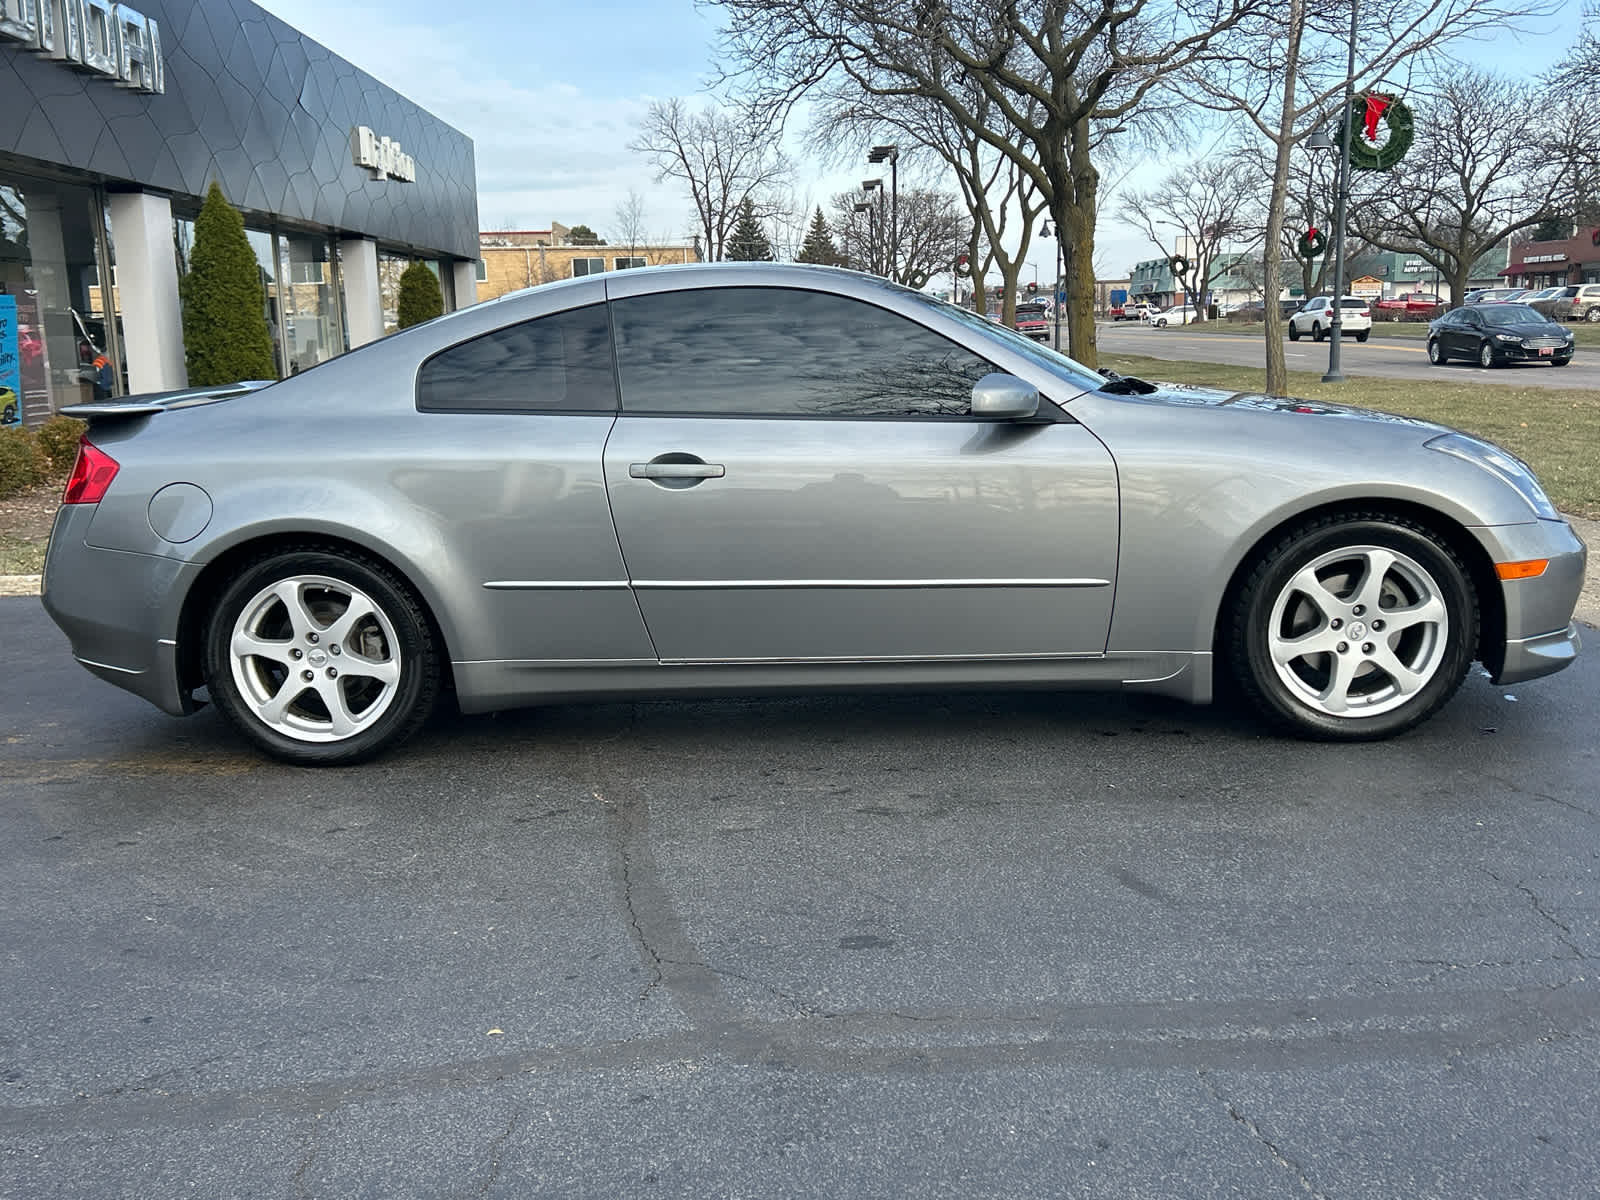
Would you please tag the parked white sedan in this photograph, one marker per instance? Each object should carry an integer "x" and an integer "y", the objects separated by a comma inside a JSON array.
[
  {"x": 1180, "y": 314},
  {"x": 1316, "y": 318}
]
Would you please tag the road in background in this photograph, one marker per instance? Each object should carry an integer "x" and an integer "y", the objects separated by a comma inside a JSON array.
[
  {"x": 946, "y": 945},
  {"x": 1391, "y": 358}
]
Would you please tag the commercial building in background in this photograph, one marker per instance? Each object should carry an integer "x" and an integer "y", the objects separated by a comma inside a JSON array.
[
  {"x": 1545, "y": 264},
  {"x": 513, "y": 259},
  {"x": 115, "y": 118}
]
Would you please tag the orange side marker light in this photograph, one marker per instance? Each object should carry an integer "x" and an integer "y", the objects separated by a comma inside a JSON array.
[{"x": 1530, "y": 568}]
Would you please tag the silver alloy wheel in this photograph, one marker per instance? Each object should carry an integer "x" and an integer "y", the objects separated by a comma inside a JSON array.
[
  {"x": 1593, "y": 315},
  {"x": 314, "y": 658},
  {"x": 1486, "y": 355},
  {"x": 1358, "y": 631}
]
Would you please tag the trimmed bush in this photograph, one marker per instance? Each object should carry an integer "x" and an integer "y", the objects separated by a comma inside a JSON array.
[
  {"x": 22, "y": 462},
  {"x": 225, "y": 335},
  {"x": 420, "y": 298},
  {"x": 58, "y": 439}
]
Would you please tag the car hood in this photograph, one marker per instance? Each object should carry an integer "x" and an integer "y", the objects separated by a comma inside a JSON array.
[
  {"x": 1529, "y": 329},
  {"x": 1182, "y": 395}
]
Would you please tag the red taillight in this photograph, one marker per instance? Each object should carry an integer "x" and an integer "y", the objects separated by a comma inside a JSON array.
[{"x": 91, "y": 475}]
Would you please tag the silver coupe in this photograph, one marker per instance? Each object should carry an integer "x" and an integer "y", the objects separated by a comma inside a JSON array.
[{"x": 756, "y": 478}]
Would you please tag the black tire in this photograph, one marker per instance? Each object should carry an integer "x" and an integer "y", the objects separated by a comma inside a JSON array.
[
  {"x": 1593, "y": 315},
  {"x": 395, "y": 639},
  {"x": 1560, "y": 362},
  {"x": 1436, "y": 354},
  {"x": 1294, "y": 332},
  {"x": 1316, "y": 331},
  {"x": 1363, "y": 335},
  {"x": 1486, "y": 355},
  {"x": 1270, "y": 605}
]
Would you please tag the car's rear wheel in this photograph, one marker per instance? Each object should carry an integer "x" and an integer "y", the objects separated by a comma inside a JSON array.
[
  {"x": 1316, "y": 331},
  {"x": 321, "y": 658},
  {"x": 1363, "y": 335},
  {"x": 1436, "y": 354},
  {"x": 1354, "y": 628},
  {"x": 1486, "y": 355}
]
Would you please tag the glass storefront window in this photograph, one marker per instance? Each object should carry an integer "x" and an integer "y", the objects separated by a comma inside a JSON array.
[
  {"x": 54, "y": 335},
  {"x": 261, "y": 245},
  {"x": 309, "y": 291}
]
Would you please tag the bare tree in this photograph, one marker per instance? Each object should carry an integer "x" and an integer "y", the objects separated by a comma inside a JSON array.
[
  {"x": 720, "y": 157},
  {"x": 628, "y": 223},
  {"x": 1055, "y": 71},
  {"x": 1474, "y": 178},
  {"x": 1286, "y": 72},
  {"x": 1569, "y": 120},
  {"x": 1189, "y": 215}
]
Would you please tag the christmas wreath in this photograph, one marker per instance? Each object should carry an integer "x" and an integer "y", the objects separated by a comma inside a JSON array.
[
  {"x": 1312, "y": 243},
  {"x": 1179, "y": 264},
  {"x": 1366, "y": 113}
]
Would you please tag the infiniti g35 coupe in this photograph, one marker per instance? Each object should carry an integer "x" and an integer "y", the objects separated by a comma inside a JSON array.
[{"x": 757, "y": 478}]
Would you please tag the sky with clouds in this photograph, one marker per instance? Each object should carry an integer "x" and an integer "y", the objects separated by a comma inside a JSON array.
[{"x": 551, "y": 94}]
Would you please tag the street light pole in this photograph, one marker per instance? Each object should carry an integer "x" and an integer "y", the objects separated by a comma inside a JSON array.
[
  {"x": 892, "y": 153},
  {"x": 867, "y": 207},
  {"x": 1055, "y": 286},
  {"x": 867, "y": 185},
  {"x": 1336, "y": 326}
]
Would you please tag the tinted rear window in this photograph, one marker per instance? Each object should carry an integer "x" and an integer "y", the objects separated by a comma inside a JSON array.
[{"x": 559, "y": 363}]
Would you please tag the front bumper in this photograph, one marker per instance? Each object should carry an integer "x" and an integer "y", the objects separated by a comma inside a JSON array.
[
  {"x": 119, "y": 610},
  {"x": 1540, "y": 634},
  {"x": 1515, "y": 353}
]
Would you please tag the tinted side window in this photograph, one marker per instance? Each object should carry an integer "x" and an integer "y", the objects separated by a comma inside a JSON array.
[
  {"x": 784, "y": 352},
  {"x": 559, "y": 363}
]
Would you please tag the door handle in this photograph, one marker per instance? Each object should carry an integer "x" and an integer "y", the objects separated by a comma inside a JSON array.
[{"x": 676, "y": 470}]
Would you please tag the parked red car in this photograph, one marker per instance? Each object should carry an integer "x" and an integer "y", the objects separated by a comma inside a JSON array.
[{"x": 1410, "y": 303}]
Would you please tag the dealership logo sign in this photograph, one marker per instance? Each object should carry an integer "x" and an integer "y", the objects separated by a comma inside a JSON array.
[
  {"x": 382, "y": 156},
  {"x": 95, "y": 36}
]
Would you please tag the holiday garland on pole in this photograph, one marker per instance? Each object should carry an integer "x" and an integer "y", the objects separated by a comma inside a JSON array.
[{"x": 1368, "y": 111}]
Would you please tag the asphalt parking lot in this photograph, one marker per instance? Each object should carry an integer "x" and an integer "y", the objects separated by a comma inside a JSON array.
[
  {"x": 1385, "y": 357},
  {"x": 963, "y": 945}
]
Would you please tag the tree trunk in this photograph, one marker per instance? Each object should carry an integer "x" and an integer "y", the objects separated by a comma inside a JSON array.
[
  {"x": 1272, "y": 249},
  {"x": 1074, "y": 215}
]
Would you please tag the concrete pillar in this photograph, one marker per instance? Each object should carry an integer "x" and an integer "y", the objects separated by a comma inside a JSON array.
[
  {"x": 147, "y": 291},
  {"x": 466, "y": 280},
  {"x": 363, "y": 301}
]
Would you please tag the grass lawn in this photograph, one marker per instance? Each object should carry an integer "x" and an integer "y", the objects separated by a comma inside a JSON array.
[
  {"x": 20, "y": 556},
  {"x": 1555, "y": 430},
  {"x": 1585, "y": 333}
]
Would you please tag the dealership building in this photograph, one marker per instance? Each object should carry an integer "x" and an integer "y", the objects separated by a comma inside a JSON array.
[{"x": 116, "y": 120}]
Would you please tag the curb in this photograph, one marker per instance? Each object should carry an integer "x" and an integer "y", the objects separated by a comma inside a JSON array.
[{"x": 20, "y": 585}]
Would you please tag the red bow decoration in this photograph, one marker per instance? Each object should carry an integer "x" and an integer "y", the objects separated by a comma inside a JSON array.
[
  {"x": 1311, "y": 234},
  {"x": 1376, "y": 107}
]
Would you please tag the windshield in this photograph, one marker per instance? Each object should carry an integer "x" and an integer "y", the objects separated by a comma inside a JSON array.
[
  {"x": 1511, "y": 314},
  {"x": 1059, "y": 365}
]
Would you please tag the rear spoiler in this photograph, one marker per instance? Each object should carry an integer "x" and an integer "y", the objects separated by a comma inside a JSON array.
[{"x": 151, "y": 403}]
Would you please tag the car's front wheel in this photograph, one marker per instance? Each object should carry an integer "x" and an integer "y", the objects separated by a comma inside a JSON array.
[
  {"x": 1486, "y": 355},
  {"x": 1162, "y": 323},
  {"x": 321, "y": 658},
  {"x": 1354, "y": 628},
  {"x": 1436, "y": 354},
  {"x": 1294, "y": 332}
]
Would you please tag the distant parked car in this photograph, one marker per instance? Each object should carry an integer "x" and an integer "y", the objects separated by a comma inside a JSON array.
[
  {"x": 1494, "y": 295},
  {"x": 1495, "y": 334},
  {"x": 1409, "y": 304},
  {"x": 1556, "y": 302},
  {"x": 1316, "y": 318},
  {"x": 1180, "y": 314}
]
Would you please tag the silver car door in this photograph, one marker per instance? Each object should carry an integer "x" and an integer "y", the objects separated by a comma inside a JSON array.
[{"x": 794, "y": 477}]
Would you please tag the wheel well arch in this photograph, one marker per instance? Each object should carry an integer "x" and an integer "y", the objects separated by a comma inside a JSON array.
[
  {"x": 216, "y": 575},
  {"x": 1480, "y": 567}
]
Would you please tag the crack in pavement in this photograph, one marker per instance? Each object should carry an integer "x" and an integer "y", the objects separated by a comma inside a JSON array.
[
  {"x": 496, "y": 1151},
  {"x": 1256, "y": 1132},
  {"x": 1538, "y": 906}
]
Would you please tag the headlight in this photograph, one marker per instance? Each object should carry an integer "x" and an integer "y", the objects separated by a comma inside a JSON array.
[
  {"x": 1506, "y": 337},
  {"x": 1498, "y": 462}
]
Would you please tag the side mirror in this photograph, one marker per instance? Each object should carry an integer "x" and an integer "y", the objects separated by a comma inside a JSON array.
[{"x": 1002, "y": 397}]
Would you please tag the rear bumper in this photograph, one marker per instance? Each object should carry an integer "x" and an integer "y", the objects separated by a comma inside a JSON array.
[{"x": 119, "y": 610}]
